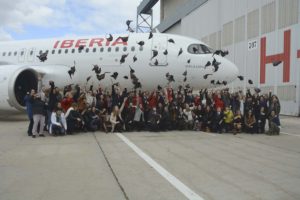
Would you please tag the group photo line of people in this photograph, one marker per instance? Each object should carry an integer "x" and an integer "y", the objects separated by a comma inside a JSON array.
[{"x": 75, "y": 109}]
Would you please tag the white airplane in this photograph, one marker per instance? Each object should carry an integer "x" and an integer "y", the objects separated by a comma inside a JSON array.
[{"x": 20, "y": 67}]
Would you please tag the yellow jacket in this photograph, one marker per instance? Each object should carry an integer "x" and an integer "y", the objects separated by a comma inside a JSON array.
[{"x": 228, "y": 116}]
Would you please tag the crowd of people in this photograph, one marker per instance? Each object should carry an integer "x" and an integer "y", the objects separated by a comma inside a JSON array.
[{"x": 75, "y": 109}]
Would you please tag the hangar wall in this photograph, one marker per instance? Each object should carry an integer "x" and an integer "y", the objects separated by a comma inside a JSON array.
[
  {"x": 168, "y": 7},
  {"x": 256, "y": 33}
]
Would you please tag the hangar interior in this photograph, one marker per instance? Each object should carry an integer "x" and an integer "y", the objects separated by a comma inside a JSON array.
[{"x": 255, "y": 32}]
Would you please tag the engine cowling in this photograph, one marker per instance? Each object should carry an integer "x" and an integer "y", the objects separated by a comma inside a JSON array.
[{"x": 16, "y": 81}]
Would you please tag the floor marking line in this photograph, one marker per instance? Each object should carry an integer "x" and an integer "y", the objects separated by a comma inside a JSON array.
[
  {"x": 290, "y": 134},
  {"x": 110, "y": 167},
  {"x": 162, "y": 171}
]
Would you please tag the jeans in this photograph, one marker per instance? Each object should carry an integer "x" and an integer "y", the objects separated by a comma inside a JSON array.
[
  {"x": 38, "y": 119},
  {"x": 58, "y": 130},
  {"x": 30, "y": 127}
]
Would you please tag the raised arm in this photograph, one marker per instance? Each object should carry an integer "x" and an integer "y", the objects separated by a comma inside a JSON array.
[
  {"x": 39, "y": 86},
  {"x": 123, "y": 104}
]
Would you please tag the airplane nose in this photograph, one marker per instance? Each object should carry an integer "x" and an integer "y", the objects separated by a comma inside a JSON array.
[
  {"x": 235, "y": 71},
  {"x": 231, "y": 71}
]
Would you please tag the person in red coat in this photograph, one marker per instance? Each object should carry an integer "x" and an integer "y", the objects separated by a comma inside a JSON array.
[
  {"x": 218, "y": 101},
  {"x": 197, "y": 100},
  {"x": 169, "y": 94},
  {"x": 67, "y": 101},
  {"x": 152, "y": 100}
]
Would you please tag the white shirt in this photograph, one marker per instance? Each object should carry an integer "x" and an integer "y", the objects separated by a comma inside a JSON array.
[{"x": 62, "y": 122}]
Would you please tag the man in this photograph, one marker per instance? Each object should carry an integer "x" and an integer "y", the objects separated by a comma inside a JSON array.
[
  {"x": 138, "y": 118},
  {"x": 154, "y": 120},
  {"x": 208, "y": 117},
  {"x": 128, "y": 116},
  {"x": 165, "y": 124},
  {"x": 74, "y": 119},
  {"x": 261, "y": 120},
  {"x": 39, "y": 113},
  {"x": 198, "y": 113},
  {"x": 93, "y": 120},
  {"x": 28, "y": 105},
  {"x": 218, "y": 121}
]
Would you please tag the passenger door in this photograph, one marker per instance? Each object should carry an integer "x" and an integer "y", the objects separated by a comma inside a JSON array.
[
  {"x": 160, "y": 44},
  {"x": 21, "y": 55},
  {"x": 31, "y": 54}
]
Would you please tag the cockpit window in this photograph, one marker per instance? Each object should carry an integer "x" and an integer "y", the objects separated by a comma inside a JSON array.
[
  {"x": 205, "y": 49},
  {"x": 199, "y": 49}
]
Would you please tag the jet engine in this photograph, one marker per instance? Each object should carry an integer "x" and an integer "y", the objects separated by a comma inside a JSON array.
[{"x": 16, "y": 81}]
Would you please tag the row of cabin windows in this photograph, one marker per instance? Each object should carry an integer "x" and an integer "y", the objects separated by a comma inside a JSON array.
[{"x": 87, "y": 50}]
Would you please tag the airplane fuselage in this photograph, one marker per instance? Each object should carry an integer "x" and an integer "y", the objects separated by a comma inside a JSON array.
[{"x": 89, "y": 51}]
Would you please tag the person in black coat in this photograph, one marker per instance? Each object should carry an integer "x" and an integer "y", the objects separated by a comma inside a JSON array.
[
  {"x": 154, "y": 120},
  {"x": 261, "y": 120},
  {"x": 250, "y": 122},
  {"x": 116, "y": 97},
  {"x": 93, "y": 120},
  {"x": 165, "y": 124},
  {"x": 207, "y": 119},
  {"x": 217, "y": 122},
  {"x": 173, "y": 109},
  {"x": 198, "y": 114},
  {"x": 75, "y": 121},
  {"x": 28, "y": 104},
  {"x": 54, "y": 98},
  {"x": 128, "y": 116},
  {"x": 181, "y": 120},
  {"x": 39, "y": 113}
]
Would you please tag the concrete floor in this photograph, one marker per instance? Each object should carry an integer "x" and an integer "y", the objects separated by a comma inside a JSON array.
[{"x": 102, "y": 166}]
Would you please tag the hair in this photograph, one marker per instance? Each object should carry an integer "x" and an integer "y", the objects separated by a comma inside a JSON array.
[
  {"x": 116, "y": 111},
  {"x": 74, "y": 105}
]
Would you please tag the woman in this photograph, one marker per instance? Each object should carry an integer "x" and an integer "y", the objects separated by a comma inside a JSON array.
[
  {"x": 228, "y": 119},
  {"x": 219, "y": 103},
  {"x": 274, "y": 105},
  {"x": 58, "y": 124},
  {"x": 274, "y": 124},
  {"x": 67, "y": 101},
  {"x": 116, "y": 118},
  {"x": 250, "y": 122},
  {"x": 189, "y": 117},
  {"x": 237, "y": 122}
]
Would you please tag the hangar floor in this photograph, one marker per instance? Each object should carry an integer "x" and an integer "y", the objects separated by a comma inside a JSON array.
[{"x": 143, "y": 165}]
